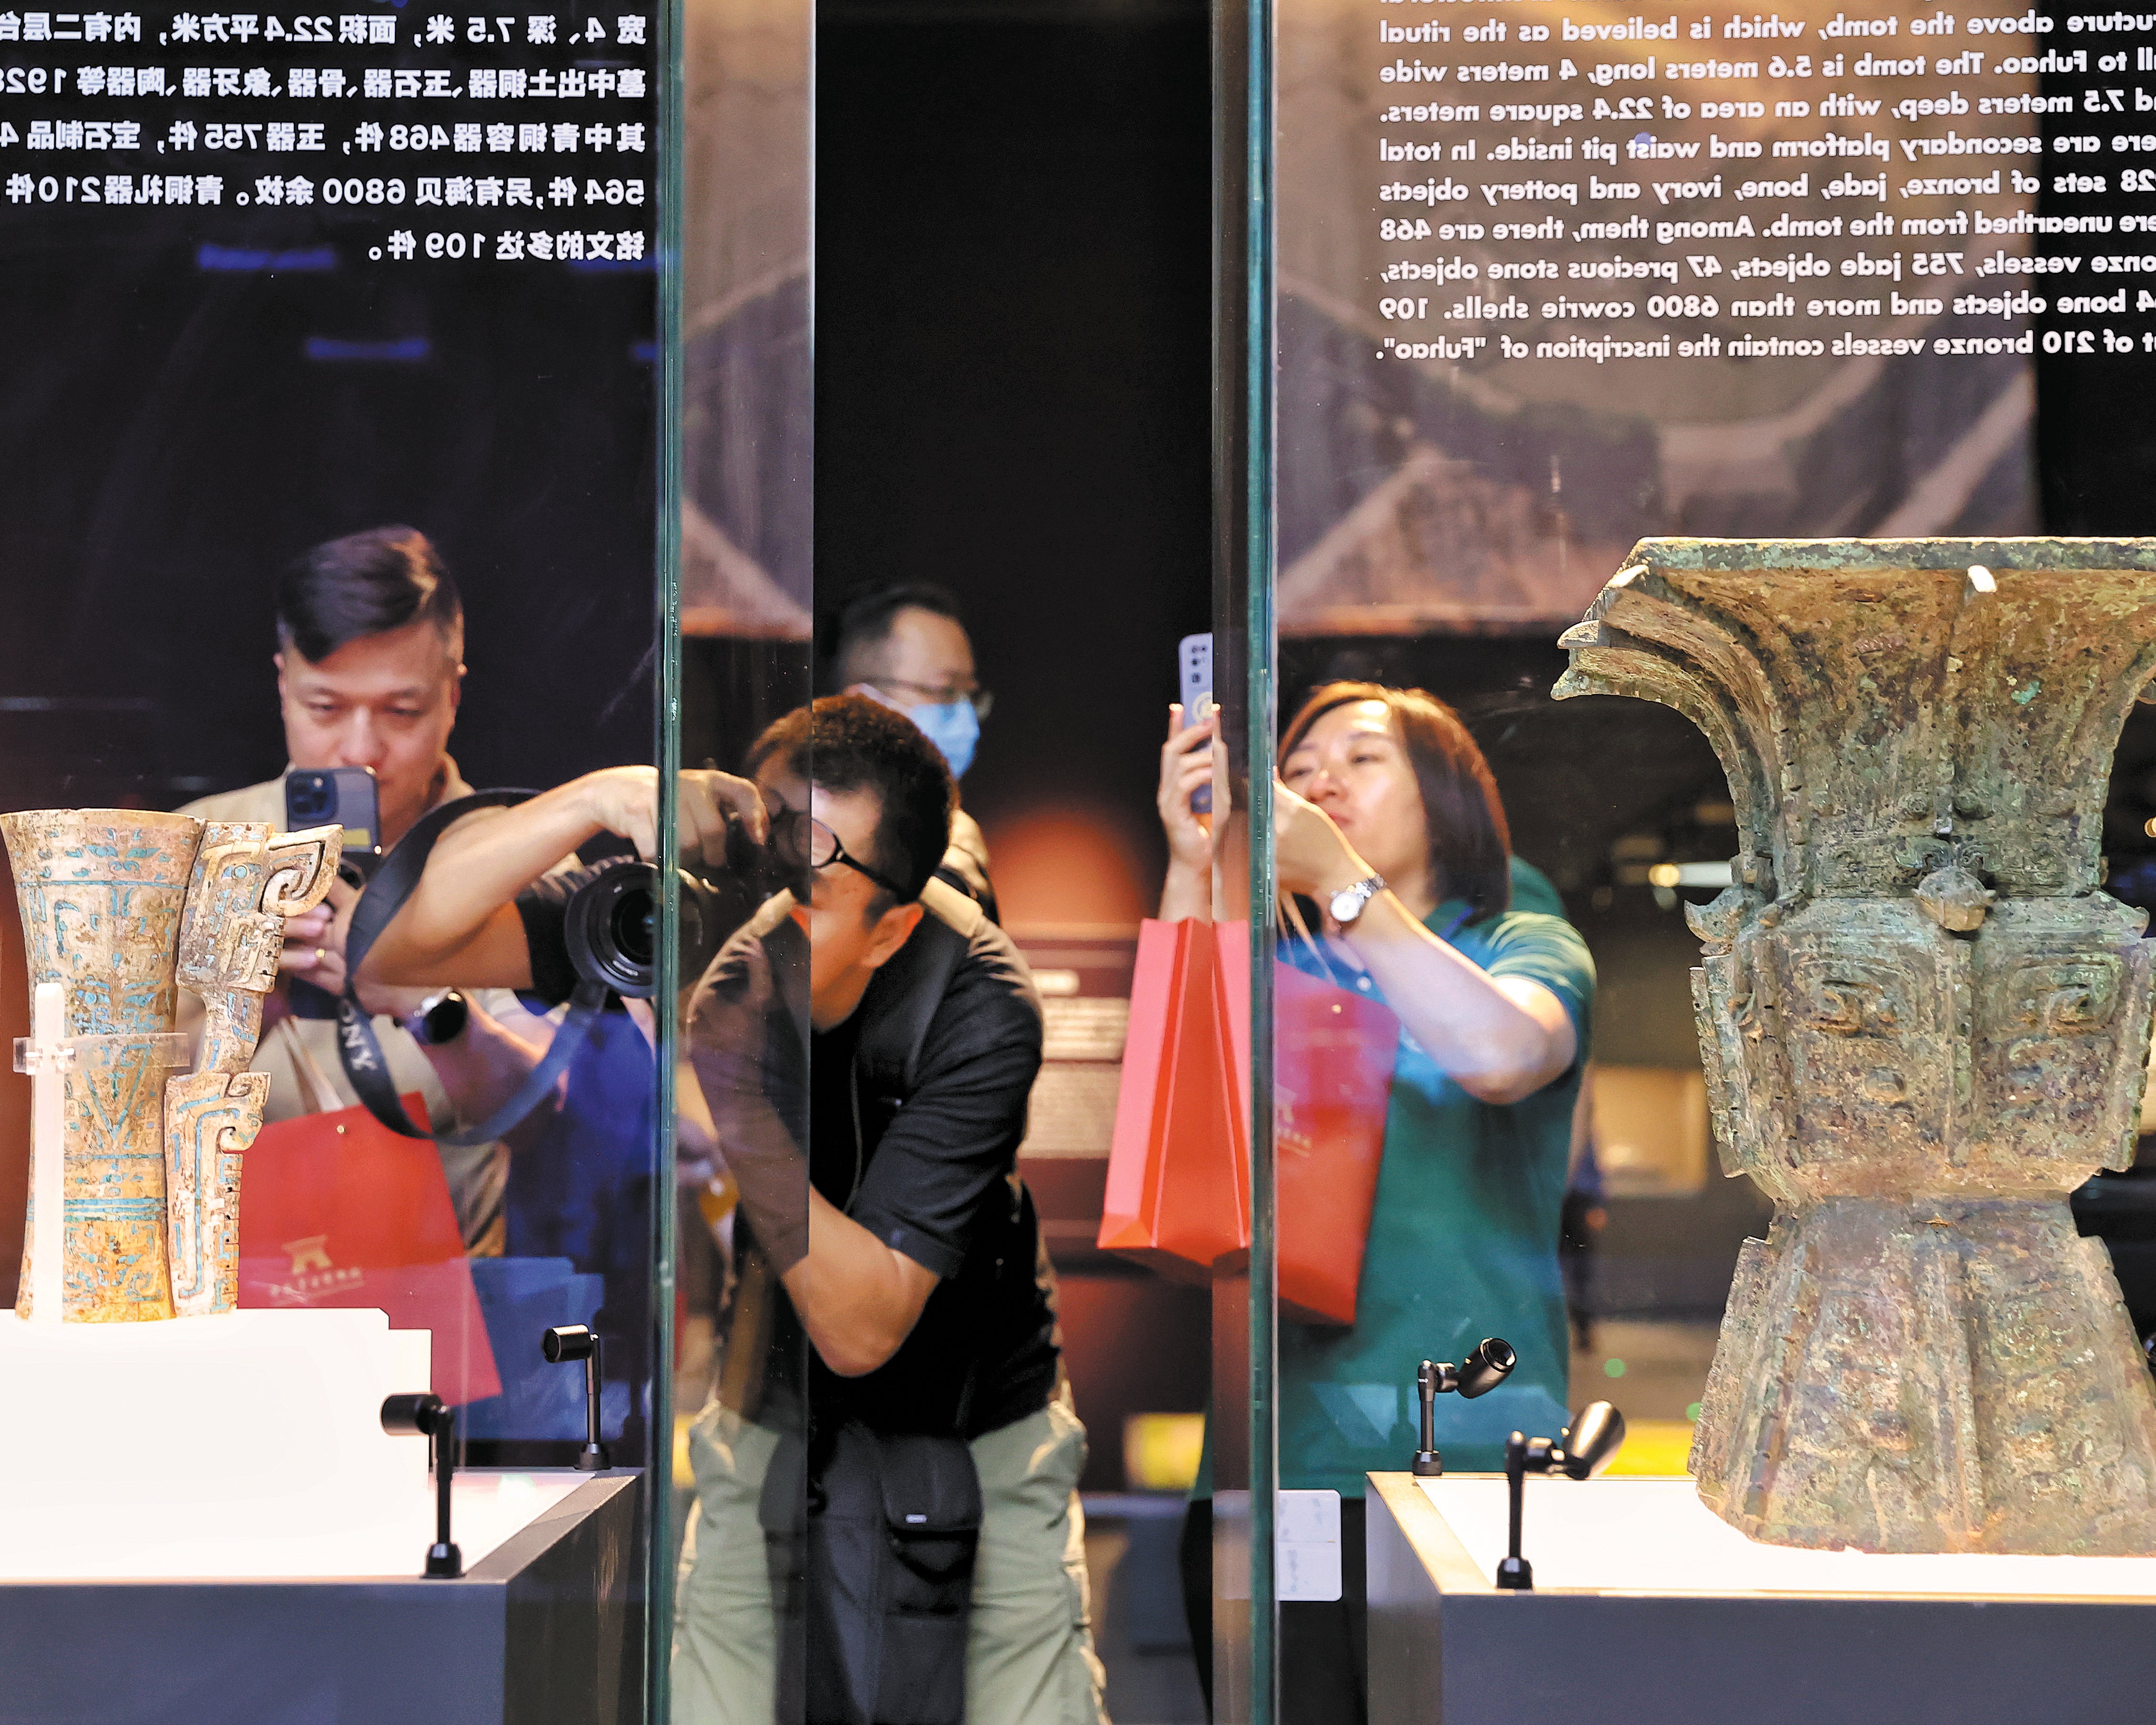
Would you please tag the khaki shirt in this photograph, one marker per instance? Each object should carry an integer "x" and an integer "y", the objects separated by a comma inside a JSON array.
[{"x": 477, "y": 1174}]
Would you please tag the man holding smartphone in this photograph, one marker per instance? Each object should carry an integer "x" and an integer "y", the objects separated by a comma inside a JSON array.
[{"x": 370, "y": 670}]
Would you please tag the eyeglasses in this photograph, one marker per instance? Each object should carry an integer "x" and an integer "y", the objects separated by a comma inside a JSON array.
[
  {"x": 982, "y": 701},
  {"x": 803, "y": 841}
]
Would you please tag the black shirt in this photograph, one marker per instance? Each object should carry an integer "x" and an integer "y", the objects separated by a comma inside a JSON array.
[
  {"x": 913, "y": 1130},
  {"x": 928, "y": 1165},
  {"x": 983, "y": 1352}
]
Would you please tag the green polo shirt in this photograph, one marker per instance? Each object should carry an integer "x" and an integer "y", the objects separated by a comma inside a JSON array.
[{"x": 1462, "y": 1245}]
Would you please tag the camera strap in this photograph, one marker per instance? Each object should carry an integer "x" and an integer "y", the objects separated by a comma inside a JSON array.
[{"x": 358, "y": 1048}]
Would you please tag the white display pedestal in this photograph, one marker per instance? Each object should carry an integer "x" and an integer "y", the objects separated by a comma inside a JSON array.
[
  {"x": 203, "y": 1520},
  {"x": 1640, "y": 1536},
  {"x": 178, "y": 1448},
  {"x": 545, "y": 1629},
  {"x": 1647, "y": 1605}
]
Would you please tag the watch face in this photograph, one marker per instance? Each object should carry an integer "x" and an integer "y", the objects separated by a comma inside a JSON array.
[{"x": 1351, "y": 901}]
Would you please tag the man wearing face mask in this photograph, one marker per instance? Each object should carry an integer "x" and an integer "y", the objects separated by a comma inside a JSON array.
[{"x": 906, "y": 646}]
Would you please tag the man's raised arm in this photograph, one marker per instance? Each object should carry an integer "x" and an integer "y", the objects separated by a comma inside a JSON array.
[{"x": 461, "y": 923}]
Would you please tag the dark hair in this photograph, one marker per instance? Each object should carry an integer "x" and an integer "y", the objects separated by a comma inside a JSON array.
[
  {"x": 863, "y": 620},
  {"x": 1470, "y": 846},
  {"x": 848, "y": 742},
  {"x": 365, "y": 584}
]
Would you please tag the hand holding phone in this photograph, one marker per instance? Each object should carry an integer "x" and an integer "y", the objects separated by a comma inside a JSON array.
[
  {"x": 340, "y": 795},
  {"x": 1193, "y": 657},
  {"x": 1185, "y": 797}
]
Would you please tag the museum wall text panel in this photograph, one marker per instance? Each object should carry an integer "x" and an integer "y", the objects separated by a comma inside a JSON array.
[{"x": 337, "y": 461}]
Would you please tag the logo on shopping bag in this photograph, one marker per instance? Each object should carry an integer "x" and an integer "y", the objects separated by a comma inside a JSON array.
[
  {"x": 311, "y": 1253},
  {"x": 314, "y": 1278},
  {"x": 1290, "y": 1136}
]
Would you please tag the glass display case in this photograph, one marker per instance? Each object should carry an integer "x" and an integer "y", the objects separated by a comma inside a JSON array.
[
  {"x": 1549, "y": 316},
  {"x": 371, "y": 394}
]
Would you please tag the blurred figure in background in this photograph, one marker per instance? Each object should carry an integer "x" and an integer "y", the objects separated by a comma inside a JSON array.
[
  {"x": 1585, "y": 1215},
  {"x": 906, "y": 646}
]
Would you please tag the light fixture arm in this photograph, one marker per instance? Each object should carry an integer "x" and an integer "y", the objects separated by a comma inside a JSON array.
[
  {"x": 1481, "y": 1371},
  {"x": 1579, "y": 1452}
]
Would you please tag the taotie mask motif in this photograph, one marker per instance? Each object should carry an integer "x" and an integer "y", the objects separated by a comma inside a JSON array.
[{"x": 1933, "y": 1033}]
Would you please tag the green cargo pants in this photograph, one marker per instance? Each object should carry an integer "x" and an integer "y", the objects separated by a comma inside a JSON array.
[{"x": 1030, "y": 1657}]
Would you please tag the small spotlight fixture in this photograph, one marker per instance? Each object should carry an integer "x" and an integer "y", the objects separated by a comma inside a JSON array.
[
  {"x": 1579, "y": 1452},
  {"x": 431, "y": 1418},
  {"x": 1481, "y": 1371},
  {"x": 567, "y": 1341}
]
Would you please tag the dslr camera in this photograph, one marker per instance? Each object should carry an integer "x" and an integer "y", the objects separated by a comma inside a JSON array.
[{"x": 612, "y": 919}]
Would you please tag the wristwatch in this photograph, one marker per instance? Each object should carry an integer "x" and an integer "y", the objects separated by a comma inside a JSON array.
[
  {"x": 1350, "y": 903},
  {"x": 440, "y": 1019}
]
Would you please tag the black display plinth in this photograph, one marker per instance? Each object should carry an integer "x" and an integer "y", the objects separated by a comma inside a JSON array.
[
  {"x": 1448, "y": 1648},
  {"x": 546, "y": 1629}
]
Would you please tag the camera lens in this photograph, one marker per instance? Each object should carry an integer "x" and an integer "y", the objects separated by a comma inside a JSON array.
[
  {"x": 611, "y": 926},
  {"x": 630, "y": 926},
  {"x": 607, "y": 924},
  {"x": 309, "y": 798}
]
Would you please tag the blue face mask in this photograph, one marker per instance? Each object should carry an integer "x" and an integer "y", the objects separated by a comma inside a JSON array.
[{"x": 954, "y": 727}]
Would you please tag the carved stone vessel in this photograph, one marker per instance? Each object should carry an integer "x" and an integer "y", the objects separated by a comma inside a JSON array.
[
  {"x": 119, "y": 907},
  {"x": 1923, "y": 1024}
]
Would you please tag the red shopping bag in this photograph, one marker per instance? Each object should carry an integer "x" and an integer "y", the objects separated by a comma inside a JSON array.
[
  {"x": 336, "y": 1209},
  {"x": 1333, "y": 1051},
  {"x": 1178, "y": 1194},
  {"x": 1178, "y": 1170}
]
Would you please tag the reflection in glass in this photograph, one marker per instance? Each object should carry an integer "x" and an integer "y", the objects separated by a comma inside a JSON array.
[
  {"x": 902, "y": 1444},
  {"x": 286, "y": 490},
  {"x": 744, "y": 620}
]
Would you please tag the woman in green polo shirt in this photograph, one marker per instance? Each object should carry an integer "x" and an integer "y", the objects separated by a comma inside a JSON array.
[{"x": 1388, "y": 818}]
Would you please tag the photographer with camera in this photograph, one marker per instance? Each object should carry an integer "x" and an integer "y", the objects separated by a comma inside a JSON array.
[
  {"x": 867, "y": 1041},
  {"x": 369, "y": 671}
]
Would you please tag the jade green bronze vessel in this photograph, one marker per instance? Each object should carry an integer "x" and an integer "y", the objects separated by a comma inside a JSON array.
[{"x": 1923, "y": 1024}]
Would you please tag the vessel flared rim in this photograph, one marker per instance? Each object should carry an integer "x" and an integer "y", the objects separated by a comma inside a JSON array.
[{"x": 109, "y": 817}]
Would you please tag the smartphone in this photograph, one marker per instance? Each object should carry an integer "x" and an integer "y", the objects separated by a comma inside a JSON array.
[
  {"x": 1194, "y": 662},
  {"x": 340, "y": 795}
]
